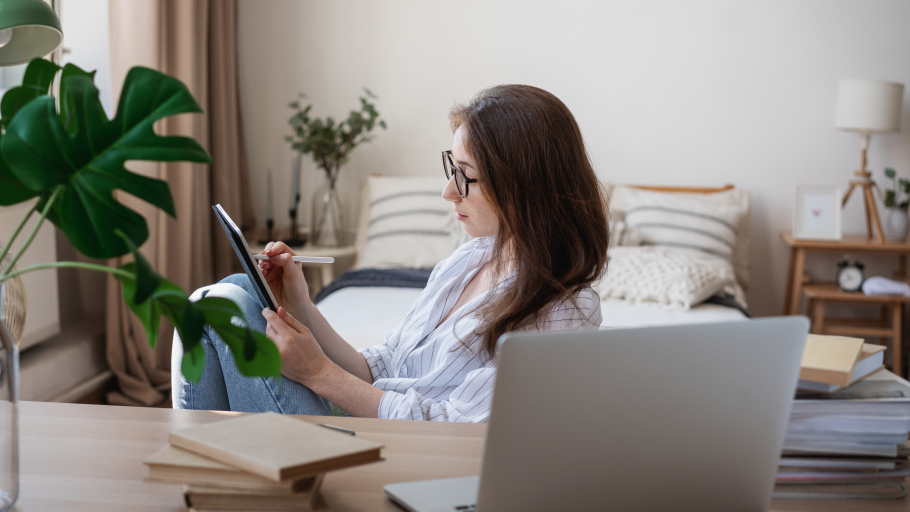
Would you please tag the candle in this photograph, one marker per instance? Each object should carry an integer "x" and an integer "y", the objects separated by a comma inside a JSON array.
[{"x": 295, "y": 183}]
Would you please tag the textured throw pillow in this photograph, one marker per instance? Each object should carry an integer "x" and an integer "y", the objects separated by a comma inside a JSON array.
[
  {"x": 677, "y": 278},
  {"x": 405, "y": 223},
  {"x": 716, "y": 223}
]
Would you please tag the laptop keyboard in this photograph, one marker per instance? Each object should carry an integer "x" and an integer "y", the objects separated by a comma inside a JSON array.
[{"x": 466, "y": 508}]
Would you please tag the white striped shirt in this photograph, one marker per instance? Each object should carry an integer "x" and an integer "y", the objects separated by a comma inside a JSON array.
[{"x": 425, "y": 371}]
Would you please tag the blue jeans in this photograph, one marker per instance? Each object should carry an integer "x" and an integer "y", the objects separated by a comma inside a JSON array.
[{"x": 222, "y": 387}]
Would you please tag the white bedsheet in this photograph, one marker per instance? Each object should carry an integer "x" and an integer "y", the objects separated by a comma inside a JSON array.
[{"x": 364, "y": 315}]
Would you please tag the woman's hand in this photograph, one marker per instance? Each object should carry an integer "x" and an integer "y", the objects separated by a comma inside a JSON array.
[
  {"x": 302, "y": 359},
  {"x": 285, "y": 278}
]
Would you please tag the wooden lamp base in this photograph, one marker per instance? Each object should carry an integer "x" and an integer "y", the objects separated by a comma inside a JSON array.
[{"x": 864, "y": 181}]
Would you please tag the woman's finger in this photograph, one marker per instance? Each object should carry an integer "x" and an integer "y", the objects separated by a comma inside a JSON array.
[
  {"x": 277, "y": 323},
  {"x": 278, "y": 248}
]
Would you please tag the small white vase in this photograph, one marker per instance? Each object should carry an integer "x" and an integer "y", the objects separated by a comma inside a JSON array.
[{"x": 897, "y": 225}]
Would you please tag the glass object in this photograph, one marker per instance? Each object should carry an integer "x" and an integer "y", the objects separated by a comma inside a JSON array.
[
  {"x": 9, "y": 405},
  {"x": 461, "y": 180},
  {"x": 328, "y": 217},
  {"x": 897, "y": 225}
]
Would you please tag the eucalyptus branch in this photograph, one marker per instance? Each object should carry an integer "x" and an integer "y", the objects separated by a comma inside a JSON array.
[
  {"x": 31, "y": 236},
  {"x": 9, "y": 243},
  {"x": 70, "y": 264}
]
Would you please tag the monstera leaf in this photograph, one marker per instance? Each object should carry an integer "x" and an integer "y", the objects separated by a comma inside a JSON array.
[
  {"x": 73, "y": 161},
  {"x": 150, "y": 296},
  {"x": 83, "y": 151}
]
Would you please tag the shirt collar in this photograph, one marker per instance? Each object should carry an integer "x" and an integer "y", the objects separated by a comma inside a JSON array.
[{"x": 484, "y": 241}]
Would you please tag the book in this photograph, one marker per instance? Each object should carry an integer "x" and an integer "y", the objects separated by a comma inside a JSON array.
[
  {"x": 840, "y": 464},
  {"x": 203, "y": 498},
  {"x": 275, "y": 446},
  {"x": 830, "y": 363},
  {"x": 870, "y": 490},
  {"x": 176, "y": 466},
  {"x": 871, "y": 360}
]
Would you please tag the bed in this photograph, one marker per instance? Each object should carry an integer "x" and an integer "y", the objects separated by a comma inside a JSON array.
[{"x": 678, "y": 256}]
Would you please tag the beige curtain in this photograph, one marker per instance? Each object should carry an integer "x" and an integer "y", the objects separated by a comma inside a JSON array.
[{"x": 195, "y": 41}]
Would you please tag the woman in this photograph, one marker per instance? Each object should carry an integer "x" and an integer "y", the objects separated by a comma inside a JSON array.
[{"x": 520, "y": 182}]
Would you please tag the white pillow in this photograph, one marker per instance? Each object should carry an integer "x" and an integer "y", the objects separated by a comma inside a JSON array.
[
  {"x": 717, "y": 222},
  {"x": 405, "y": 223},
  {"x": 677, "y": 278},
  {"x": 623, "y": 235}
]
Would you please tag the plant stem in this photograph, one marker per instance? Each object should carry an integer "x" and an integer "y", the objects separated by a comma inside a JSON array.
[
  {"x": 70, "y": 264},
  {"x": 31, "y": 236},
  {"x": 9, "y": 243}
]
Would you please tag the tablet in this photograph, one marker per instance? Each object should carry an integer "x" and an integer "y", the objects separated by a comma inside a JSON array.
[{"x": 238, "y": 242}]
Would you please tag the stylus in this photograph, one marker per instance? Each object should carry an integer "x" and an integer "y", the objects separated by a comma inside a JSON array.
[{"x": 300, "y": 259}]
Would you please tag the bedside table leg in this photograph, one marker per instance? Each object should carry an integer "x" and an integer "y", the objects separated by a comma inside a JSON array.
[
  {"x": 788, "y": 291},
  {"x": 818, "y": 317},
  {"x": 897, "y": 365},
  {"x": 799, "y": 267}
]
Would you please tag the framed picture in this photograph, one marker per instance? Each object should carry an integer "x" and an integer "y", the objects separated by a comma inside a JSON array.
[{"x": 817, "y": 213}]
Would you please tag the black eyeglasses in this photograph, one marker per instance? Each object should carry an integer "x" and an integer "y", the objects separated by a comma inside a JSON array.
[{"x": 461, "y": 180}]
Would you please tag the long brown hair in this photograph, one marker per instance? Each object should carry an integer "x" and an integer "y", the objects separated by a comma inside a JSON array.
[{"x": 532, "y": 163}]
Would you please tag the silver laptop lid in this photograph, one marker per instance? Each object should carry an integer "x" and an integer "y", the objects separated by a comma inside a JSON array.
[{"x": 667, "y": 418}]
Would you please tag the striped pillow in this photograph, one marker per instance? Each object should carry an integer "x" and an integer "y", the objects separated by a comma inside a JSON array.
[
  {"x": 680, "y": 220},
  {"x": 623, "y": 235},
  {"x": 407, "y": 224}
]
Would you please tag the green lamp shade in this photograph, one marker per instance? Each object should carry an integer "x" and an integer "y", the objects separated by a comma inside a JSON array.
[{"x": 29, "y": 28}]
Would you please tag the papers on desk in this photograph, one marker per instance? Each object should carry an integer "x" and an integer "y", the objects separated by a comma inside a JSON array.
[{"x": 850, "y": 444}]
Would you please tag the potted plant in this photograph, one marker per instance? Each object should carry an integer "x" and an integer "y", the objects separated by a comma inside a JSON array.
[
  {"x": 331, "y": 145},
  {"x": 897, "y": 200},
  {"x": 72, "y": 160}
]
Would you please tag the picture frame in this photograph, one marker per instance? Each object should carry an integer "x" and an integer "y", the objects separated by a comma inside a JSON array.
[{"x": 817, "y": 214}]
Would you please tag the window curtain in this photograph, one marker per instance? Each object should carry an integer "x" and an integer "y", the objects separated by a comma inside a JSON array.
[{"x": 194, "y": 41}]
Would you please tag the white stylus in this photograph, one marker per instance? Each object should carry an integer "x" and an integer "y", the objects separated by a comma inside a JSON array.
[{"x": 300, "y": 259}]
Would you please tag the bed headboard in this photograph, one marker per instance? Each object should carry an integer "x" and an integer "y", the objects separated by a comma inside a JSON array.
[{"x": 688, "y": 190}]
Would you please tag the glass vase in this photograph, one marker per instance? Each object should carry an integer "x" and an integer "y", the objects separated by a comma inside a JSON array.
[
  {"x": 9, "y": 399},
  {"x": 897, "y": 225},
  {"x": 328, "y": 227}
]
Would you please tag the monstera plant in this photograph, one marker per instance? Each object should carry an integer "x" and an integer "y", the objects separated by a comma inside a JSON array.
[{"x": 71, "y": 157}]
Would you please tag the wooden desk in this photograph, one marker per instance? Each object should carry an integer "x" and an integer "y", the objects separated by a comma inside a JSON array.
[
  {"x": 89, "y": 458},
  {"x": 796, "y": 274}
]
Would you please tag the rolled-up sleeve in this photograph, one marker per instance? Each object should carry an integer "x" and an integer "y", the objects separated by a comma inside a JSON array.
[
  {"x": 470, "y": 402},
  {"x": 380, "y": 360}
]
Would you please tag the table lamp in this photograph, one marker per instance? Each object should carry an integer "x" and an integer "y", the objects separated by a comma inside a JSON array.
[{"x": 867, "y": 107}]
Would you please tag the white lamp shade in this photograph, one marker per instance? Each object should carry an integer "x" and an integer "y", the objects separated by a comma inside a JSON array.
[{"x": 869, "y": 106}]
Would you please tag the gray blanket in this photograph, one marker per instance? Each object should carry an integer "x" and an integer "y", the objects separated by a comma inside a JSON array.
[{"x": 418, "y": 277}]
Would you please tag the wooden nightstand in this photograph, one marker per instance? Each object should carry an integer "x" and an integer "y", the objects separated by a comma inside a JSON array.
[
  {"x": 852, "y": 244},
  {"x": 888, "y": 326}
]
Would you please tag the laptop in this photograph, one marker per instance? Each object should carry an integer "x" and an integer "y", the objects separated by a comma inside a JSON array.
[{"x": 664, "y": 418}]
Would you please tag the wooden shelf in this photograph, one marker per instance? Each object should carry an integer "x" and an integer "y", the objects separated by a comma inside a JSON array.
[
  {"x": 855, "y": 243},
  {"x": 831, "y": 292}
]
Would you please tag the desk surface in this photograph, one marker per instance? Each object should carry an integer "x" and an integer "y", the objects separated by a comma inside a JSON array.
[{"x": 89, "y": 458}]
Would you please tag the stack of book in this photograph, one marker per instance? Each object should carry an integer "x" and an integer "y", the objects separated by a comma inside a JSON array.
[
  {"x": 256, "y": 462},
  {"x": 849, "y": 424}
]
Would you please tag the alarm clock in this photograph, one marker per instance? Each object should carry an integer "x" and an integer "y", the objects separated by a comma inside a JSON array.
[{"x": 850, "y": 275}]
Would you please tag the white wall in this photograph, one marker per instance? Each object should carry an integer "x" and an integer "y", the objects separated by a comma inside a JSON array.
[
  {"x": 86, "y": 42},
  {"x": 666, "y": 92}
]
